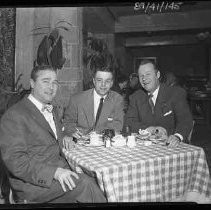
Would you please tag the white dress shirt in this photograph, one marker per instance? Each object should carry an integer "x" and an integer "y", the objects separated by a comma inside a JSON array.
[
  {"x": 97, "y": 102},
  {"x": 154, "y": 98},
  {"x": 48, "y": 116},
  {"x": 155, "y": 95}
]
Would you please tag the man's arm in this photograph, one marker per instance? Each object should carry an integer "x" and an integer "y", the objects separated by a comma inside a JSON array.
[
  {"x": 132, "y": 116},
  {"x": 18, "y": 156},
  {"x": 70, "y": 118},
  {"x": 118, "y": 117},
  {"x": 184, "y": 120}
]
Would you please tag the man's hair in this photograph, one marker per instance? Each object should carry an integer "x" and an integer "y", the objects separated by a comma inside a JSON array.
[
  {"x": 38, "y": 68},
  {"x": 104, "y": 69},
  {"x": 146, "y": 61}
]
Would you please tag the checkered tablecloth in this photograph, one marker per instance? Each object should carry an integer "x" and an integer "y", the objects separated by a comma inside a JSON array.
[{"x": 152, "y": 173}]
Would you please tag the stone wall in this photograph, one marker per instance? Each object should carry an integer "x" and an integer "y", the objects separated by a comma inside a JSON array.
[
  {"x": 7, "y": 49},
  {"x": 27, "y": 39}
]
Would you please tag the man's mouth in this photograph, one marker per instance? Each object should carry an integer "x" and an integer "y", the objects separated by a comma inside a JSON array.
[
  {"x": 103, "y": 90},
  {"x": 49, "y": 94},
  {"x": 146, "y": 83}
]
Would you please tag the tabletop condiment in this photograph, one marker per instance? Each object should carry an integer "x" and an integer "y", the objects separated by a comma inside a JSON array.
[
  {"x": 127, "y": 131},
  {"x": 107, "y": 142},
  {"x": 131, "y": 141}
]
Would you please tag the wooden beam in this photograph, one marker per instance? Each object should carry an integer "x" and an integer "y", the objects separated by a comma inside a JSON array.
[
  {"x": 164, "y": 21},
  {"x": 160, "y": 40},
  {"x": 98, "y": 20}
]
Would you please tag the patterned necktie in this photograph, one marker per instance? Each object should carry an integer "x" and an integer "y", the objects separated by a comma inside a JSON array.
[
  {"x": 47, "y": 107},
  {"x": 99, "y": 110},
  {"x": 151, "y": 103}
]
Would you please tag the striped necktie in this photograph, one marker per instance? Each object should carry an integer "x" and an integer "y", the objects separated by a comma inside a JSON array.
[{"x": 151, "y": 103}]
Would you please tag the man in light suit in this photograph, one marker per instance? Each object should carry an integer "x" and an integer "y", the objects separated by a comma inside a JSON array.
[
  {"x": 169, "y": 109},
  {"x": 80, "y": 117},
  {"x": 31, "y": 141}
]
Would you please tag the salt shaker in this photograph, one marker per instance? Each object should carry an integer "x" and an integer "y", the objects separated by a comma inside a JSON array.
[
  {"x": 131, "y": 142},
  {"x": 107, "y": 142}
]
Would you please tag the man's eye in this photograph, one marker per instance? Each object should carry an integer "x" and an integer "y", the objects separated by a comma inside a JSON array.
[{"x": 56, "y": 83}]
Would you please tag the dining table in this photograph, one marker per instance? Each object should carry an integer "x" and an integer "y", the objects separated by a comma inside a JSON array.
[{"x": 145, "y": 173}]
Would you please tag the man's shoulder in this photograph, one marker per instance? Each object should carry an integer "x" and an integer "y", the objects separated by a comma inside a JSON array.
[
  {"x": 174, "y": 89},
  {"x": 137, "y": 94},
  {"x": 115, "y": 94},
  {"x": 82, "y": 94},
  {"x": 18, "y": 108}
]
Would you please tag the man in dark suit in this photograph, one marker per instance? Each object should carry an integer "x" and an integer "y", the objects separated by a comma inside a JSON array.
[
  {"x": 159, "y": 105},
  {"x": 82, "y": 114},
  {"x": 31, "y": 142}
]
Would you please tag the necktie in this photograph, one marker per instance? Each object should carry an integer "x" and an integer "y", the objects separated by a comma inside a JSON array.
[
  {"x": 151, "y": 103},
  {"x": 99, "y": 110},
  {"x": 47, "y": 107}
]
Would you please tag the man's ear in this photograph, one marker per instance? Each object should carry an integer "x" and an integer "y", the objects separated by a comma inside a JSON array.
[
  {"x": 158, "y": 74},
  {"x": 31, "y": 83},
  {"x": 112, "y": 82}
]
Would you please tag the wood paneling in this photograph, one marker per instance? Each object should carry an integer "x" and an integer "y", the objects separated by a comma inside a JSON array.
[
  {"x": 160, "y": 40},
  {"x": 98, "y": 20},
  {"x": 164, "y": 21}
]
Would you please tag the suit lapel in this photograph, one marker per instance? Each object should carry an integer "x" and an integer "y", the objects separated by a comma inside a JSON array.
[
  {"x": 38, "y": 117},
  {"x": 88, "y": 107}
]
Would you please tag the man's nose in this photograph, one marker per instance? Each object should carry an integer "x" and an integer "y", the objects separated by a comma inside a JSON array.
[
  {"x": 143, "y": 78},
  {"x": 103, "y": 84},
  {"x": 51, "y": 86}
]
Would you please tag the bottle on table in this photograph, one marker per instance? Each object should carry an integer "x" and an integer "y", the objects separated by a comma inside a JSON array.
[{"x": 127, "y": 131}]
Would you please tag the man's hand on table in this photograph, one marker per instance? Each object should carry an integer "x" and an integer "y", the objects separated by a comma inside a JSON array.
[
  {"x": 68, "y": 143},
  {"x": 173, "y": 141},
  {"x": 64, "y": 176}
]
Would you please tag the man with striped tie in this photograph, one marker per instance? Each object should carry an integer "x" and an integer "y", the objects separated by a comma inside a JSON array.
[{"x": 159, "y": 105}]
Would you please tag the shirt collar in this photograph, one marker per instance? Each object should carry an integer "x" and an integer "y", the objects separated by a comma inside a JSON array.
[
  {"x": 155, "y": 93},
  {"x": 37, "y": 103}
]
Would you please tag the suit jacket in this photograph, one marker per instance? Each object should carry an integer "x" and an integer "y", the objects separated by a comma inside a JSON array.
[
  {"x": 171, "y": 111},
  {"x": 30, "y": 150},
  {"x": 80, "y": 112}
]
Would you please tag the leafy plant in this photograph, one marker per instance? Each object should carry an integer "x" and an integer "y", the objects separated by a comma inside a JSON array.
[
  {"x": 7, "y": 49},
  {"x": 50, "y": 50},
  {"x": 7, "y": 36}
]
